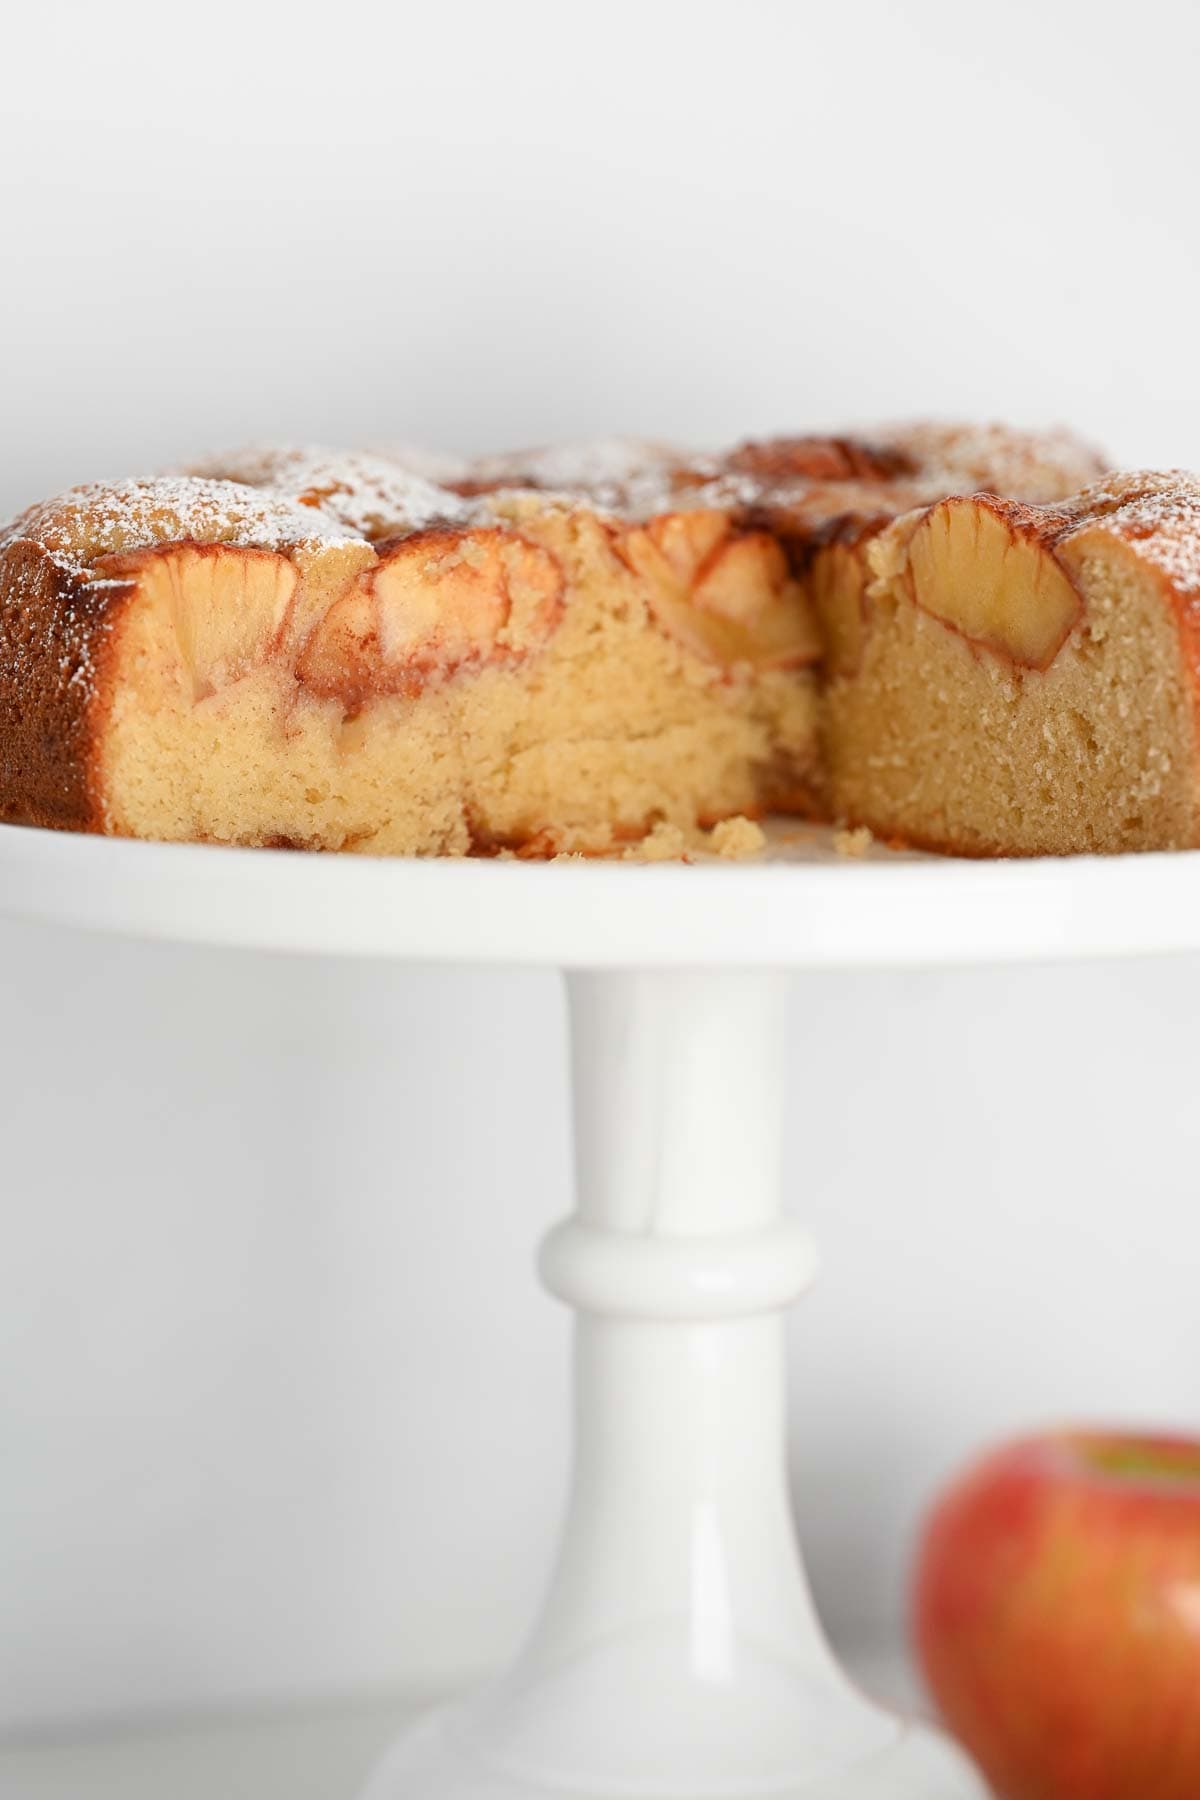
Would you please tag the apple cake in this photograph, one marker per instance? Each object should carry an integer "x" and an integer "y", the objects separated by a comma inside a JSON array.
[{"x": 576, "y": 648}]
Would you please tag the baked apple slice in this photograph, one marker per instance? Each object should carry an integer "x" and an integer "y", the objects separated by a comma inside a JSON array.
[
  {"x": 437, "y": 601},
  {"x": 985, "y": 567},
  {"x": 728, "y": 596}
]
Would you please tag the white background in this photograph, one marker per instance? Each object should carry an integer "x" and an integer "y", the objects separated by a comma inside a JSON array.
[{"x": 281, "y": 1410}]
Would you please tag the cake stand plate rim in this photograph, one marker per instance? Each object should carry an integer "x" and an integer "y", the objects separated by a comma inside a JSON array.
[{"x": 801, "y": 906}]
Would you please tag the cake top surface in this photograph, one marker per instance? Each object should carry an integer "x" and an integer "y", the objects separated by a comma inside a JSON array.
[
  {"x": 806, "y": 483},
  {"x": 101, "y": 519},
  {"x": 1034, "y": 464},
  {"x": 280, "y": 497},
  {"x": 372, "y": 494},
  {"x": 1156, "y": 510},
  {"x": 620, "y": 475}
]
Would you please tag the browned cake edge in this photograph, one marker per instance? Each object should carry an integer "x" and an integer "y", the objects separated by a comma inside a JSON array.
[{"x": 57, "y": 632}]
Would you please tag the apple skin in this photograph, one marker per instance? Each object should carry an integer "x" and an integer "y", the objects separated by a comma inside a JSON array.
[{"x": 1056, "y": 1612}]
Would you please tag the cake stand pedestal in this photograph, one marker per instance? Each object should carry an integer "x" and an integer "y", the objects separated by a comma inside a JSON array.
[{"x": 677, "y": 1655}]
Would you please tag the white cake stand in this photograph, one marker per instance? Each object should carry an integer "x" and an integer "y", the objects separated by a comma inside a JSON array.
[{"x": 677, "y": 1656}]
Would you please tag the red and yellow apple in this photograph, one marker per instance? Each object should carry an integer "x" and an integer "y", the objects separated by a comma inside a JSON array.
[{"x": 1057, "y": 1616}]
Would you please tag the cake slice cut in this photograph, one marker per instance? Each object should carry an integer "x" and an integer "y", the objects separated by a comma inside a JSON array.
[
  {"x": 557, "y": 651},
  {"x": 1026, "y": 678}
]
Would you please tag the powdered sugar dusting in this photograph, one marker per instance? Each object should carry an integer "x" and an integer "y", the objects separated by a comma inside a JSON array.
[
  {"x": 372, "y": 495},
  {"x": 278, "y": 497},
  {"x": 107, "y": 518},
  {"x": 802, "y": 483},
  {"x": 616, "y": 474},
  {"x": 1037, "y": 466},
  {"x": 1156, "y": 511}
]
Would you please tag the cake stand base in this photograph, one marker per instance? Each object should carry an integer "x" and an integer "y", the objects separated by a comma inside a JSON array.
[
  {"x": 678, "y": 1655},
  {"x": 439, "y": 1758}
]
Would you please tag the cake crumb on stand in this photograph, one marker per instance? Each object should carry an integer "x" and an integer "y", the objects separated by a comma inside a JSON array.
[
  {"x": 662, "y": 843},
  {"x": 732, "y": 840},
  {"x": 737, "y": 838},
  {"x": 852, "y": 842}
]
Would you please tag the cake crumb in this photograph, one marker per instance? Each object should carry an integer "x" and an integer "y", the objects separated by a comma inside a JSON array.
[
  {"x": 852, "y": 843},
  {"x": 662, "y": 843},
  {"x": 738, "y": 837},
  {"x": 731, "y": 839}
]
